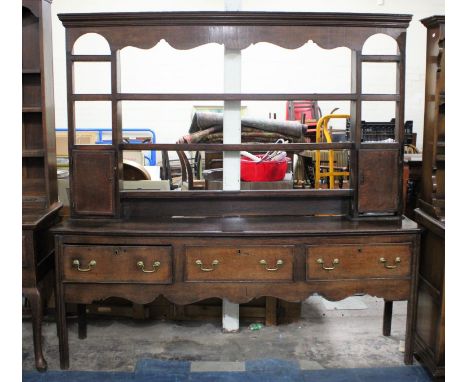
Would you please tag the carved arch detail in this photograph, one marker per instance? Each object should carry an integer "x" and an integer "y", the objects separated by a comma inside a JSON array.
[{"x": 232, "y": 37}]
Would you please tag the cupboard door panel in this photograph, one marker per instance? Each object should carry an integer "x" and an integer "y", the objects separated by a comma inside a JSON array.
[
  {"x": 378, "y": 181},
  {"x": 93, "y": 182}
]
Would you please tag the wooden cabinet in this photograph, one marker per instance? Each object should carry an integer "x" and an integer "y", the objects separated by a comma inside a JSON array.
[
  {"x": 39, "y": 176},
  {"x": 197, "y": 263},
  {"x": 237, "y": 245},
  {"x": 430, "y": 326}
]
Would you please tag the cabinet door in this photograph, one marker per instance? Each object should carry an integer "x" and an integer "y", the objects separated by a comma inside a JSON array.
[
  {"x": 379, "y": 175},
  {"x": 93, "y": 182}
]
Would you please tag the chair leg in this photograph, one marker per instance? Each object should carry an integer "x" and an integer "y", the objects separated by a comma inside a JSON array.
[{"x": 387, "y": 318}]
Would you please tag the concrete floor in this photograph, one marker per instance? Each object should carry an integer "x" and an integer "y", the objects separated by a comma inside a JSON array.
[{"x": 322, "y": 339}]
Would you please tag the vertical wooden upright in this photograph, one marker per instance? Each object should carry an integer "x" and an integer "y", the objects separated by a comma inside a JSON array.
[
  {"x": 430, "y": 322},
  {"x": 39, "y": 178}
]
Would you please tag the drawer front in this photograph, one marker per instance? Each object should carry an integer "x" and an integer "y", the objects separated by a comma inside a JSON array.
[
  {"x": 102, "y": 263},
  {"x": 241, "y": 263},
  {"x": 351, "y": 261}
]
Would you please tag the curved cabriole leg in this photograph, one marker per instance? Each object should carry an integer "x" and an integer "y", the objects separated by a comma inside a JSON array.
[
  {"x": 387, "y": 318},
  {"x": 35, "y": 300}
]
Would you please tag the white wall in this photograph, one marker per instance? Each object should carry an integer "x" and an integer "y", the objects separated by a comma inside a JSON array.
[{"x": 266, "y": 68}]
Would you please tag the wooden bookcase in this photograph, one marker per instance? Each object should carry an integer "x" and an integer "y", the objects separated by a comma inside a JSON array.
[
  {"x": 430, "y": 325},
  {"x": 40, "y": 203},
  {"x": 238, "y": 245}
]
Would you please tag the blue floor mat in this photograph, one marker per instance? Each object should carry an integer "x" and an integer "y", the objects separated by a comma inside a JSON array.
[{"x": 264, "y": 370}]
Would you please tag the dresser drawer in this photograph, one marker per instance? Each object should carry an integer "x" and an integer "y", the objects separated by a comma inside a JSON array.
[
  {"x": 241, "y": 263},
  {"x": 351, "y": 261},
  {"x": 108, "y": 263}
]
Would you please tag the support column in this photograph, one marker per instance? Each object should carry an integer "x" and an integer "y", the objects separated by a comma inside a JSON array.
[{"x": 231, "y": 134}]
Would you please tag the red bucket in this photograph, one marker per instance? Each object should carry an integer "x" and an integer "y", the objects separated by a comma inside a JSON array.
[{"x": 271, "y": 171}]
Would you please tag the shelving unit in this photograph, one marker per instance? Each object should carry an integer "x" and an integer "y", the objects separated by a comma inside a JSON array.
[
  {"x": 40, "y": 203},
  {"x": 430, "y": 214}
]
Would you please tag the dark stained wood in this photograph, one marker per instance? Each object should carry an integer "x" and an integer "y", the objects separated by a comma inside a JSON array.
[
  {"x": 287, "y": 229},
  {"x": 91, "y": 97},
  {"x": 137, "y": 205},
  {"x": 235, "y": 147},
  {"x": 90, "y": 58},
  {"x": 242, "y": 263},
  {"x": 92, "y": 187},
  {"x": 430, "y": 214},
  {"x": 351, "y": 259},
  {"x": 387, "y": 320},
  {"x": 318, "y": 193},
  {"x": 36, "y": 302},
  {"x": 39, "y": 176},
  {"x": 378, "y": 186},
  {"x": 117, "y": 264},
  {"x": 82, "y": 327},
  {"x": 190, "y": 29},
  {"x": 381, "y": 97},
  {"x": 271, "y": 305},
  {"x": 380, "y": 58},
  {"x": 38, "y": 100},
  {"x": 244, "y": 226},
  {"x": 238, "y": 97}
]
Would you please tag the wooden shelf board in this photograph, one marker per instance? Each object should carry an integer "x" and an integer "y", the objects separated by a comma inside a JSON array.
[
  {"x": 34, "y": 187},
  {"x": 234, "y": 96},
  {"x": 380, "y": 58},
  {"x": 90, "y": 58},
  {"x": 28, "y": 153},
  {"x": 237, "y": 147},
  {"x": 32, "y": 109},
  {"x": 91, "y": 97},
  {"x": 298, "y": 193},
  {"x": 380, "y": 97},
  {"x": 31, "y": 71},
  {"x": 216, "y": 97}
]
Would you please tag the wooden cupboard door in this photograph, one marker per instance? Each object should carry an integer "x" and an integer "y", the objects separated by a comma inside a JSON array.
[
  {"x": 93, "y": 182},
  {"x": 378, "y": 190}
]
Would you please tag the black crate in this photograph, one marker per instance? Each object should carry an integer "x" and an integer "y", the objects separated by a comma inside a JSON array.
[{"x": 380, "y": 131}]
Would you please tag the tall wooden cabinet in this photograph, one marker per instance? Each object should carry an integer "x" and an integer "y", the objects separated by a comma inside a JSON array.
[
  {"x": 236, "y": 245},
  {"x": 430, "y": 325},
  {"x": 40, "y": 203}
]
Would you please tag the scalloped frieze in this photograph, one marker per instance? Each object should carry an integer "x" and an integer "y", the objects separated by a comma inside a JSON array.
[
  {"x": 232, "y": 37},
  {"x": 188, "y": 293}
]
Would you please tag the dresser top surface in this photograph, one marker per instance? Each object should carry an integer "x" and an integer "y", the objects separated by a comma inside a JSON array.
[{"x": 236, "y": 226}]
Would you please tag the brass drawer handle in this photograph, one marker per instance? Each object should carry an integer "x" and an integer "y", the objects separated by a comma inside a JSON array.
[
  {"x": 279, "y": 264},
  {"x": 383, "y": 260},
  {"x": 91, "y": 265},
  {"x": 321, "y": 262},
  {"x": 213, "y": 264},
  {"x": 141, "y": 265}
]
